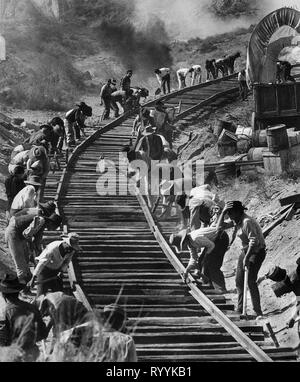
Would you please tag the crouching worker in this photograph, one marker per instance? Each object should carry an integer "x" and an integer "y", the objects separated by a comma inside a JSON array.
[
  {"x": 215, "y": 243},
  {"x": 21, "y": 323},
  {"x": 52, "y": 263},
  {"x": 64, "y": 312},
  {"x": 287, "y": 283},
  {"x": 25, "y": 228}
]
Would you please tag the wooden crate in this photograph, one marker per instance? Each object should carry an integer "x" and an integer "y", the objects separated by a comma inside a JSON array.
[{"x": 276, "y": 163}]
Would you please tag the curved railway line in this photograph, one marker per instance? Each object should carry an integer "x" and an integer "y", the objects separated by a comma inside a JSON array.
[{"x": 126, "y": 257}]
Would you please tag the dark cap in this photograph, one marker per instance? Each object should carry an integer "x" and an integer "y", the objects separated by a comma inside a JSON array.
[
  {"x": 236, "y": 205},
  {"x": 276, "y": 274}
]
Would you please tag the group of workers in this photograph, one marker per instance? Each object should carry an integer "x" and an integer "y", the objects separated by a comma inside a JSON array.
[
  {"x": 127, "y": 97},
  {"x": 163, "y": 76},
  {"x": 21, "y": 322}
]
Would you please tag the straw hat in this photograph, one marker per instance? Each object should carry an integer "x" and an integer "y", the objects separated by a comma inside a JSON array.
[{"x": 34, "y": 180}]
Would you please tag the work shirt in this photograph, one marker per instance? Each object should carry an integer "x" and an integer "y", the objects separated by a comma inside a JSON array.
[
  {"x": 119, "y": 96},
  {"x": 125, "y": 84},
  {"x": 26, "y": 198},
  {"x": 76, "y": 115},
  {"x": 13, "y": 185},
  {"x": 20, "y": 159},
  {"x": 163, "y": 73},
  {"x": 106, "y": 91},
  {"x": 198, "y": 239},
  {"x": 55, "y": 256},
  {"x": 197, "y": 69},
  {"x": 12, "y": 326},
  {"x": 250, "y": 233},
  {"x": 183, "y": 72}
]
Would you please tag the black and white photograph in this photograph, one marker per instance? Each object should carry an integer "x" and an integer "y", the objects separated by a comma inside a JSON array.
[{"x": 149, "y": 184}]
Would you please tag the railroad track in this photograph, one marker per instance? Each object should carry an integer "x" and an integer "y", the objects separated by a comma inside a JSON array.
[{"x": 126, "y": 258}]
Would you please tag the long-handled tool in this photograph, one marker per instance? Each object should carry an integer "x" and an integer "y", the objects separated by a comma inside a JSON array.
[
  {"x": 273, "y": 334},
  {"x": 246, "y": 274}
]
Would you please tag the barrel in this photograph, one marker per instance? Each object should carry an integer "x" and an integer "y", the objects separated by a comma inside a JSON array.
[
  {"x": 256, "y": 153},
  {"x": 226, "y": 148},
  {"x": 244, "y": 132},
  {"x": 259, "y": 138},
  {"x": 221, "y": 125},
  {"x": 277, "y": 138}
]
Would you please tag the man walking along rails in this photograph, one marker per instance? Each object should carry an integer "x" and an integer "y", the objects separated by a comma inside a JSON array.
[
  {"x": 253, "y": 252},
  {"x": 164, "y": 79},
  {"x": 105, "y": 98}
]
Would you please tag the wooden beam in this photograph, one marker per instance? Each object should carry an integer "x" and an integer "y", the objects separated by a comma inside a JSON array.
[{"x": 290, "y": 200}]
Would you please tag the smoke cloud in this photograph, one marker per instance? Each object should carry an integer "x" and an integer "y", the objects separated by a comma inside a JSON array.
[{"x": 202, "y": 18}]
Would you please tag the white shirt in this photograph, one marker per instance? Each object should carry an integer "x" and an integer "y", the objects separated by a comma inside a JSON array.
[
  {"x": 51, "y": 257},
  {"x": 164, "y": 72},
  {"x": 183, "y": 72},
  {"x": 197, "y": 68},
  {"x": 26, "y": 198}
]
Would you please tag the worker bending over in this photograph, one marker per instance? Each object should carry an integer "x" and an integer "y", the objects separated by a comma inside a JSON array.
[
  {"x": 181, "y": 76},
  {"x": 196, "y": 75},
  {"x": 164, "y": 79}
]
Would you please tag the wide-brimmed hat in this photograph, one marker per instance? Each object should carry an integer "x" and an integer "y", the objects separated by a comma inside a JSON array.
[
  {"x": 236, "y": 205},
  {"x": 54, "y": 219},
  {"x": 283, "y": 287},
  {"x": 276, "y": 274},
  {"x": 34, "y": 180},
  {"x": 73, "y": 240},
  {"x": 48, "y": 208},
  {"x": 178, "y": 239},
  {"x": 114, "y": 309},
  {"x": 10, "y": 284}
]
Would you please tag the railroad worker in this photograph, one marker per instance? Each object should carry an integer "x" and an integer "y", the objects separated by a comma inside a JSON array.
[
  {"x": 203, "y": 205},
  {"x": 120, "y": 97},
  {"x": 181, "y": 76},
  {"x": 41, "y": 137},
  {"x": 145, "y": 117},
  {"x": 253, "y": 253},
  {"x": 59, "y": 135},
  {"x": 162, "y": 122},
  {"x": 164, "y": 79},
  {"x": 196, "y": 75},
  {"x": 20, "y": 322},
  {"x": 75, "y": 121},
  {"x": 287, "y": 282},
  {"x": 194, "y": 241},
  {"x": 18, "y": 159},
  {"x": 38, "y": 163},
  {"x": 64, "y": 312},
  {"x": 105, "y": 98},
  {"x": 26, "y": 228},
  {"x": 243, "y": 84},
  {"x": 125, "y": 84},
  {"x": 53, "y": 262},
  {"x": 210, "y": 69},
  {"x": 27, "y": 197},
  {"x": 13, "y": 185}
]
